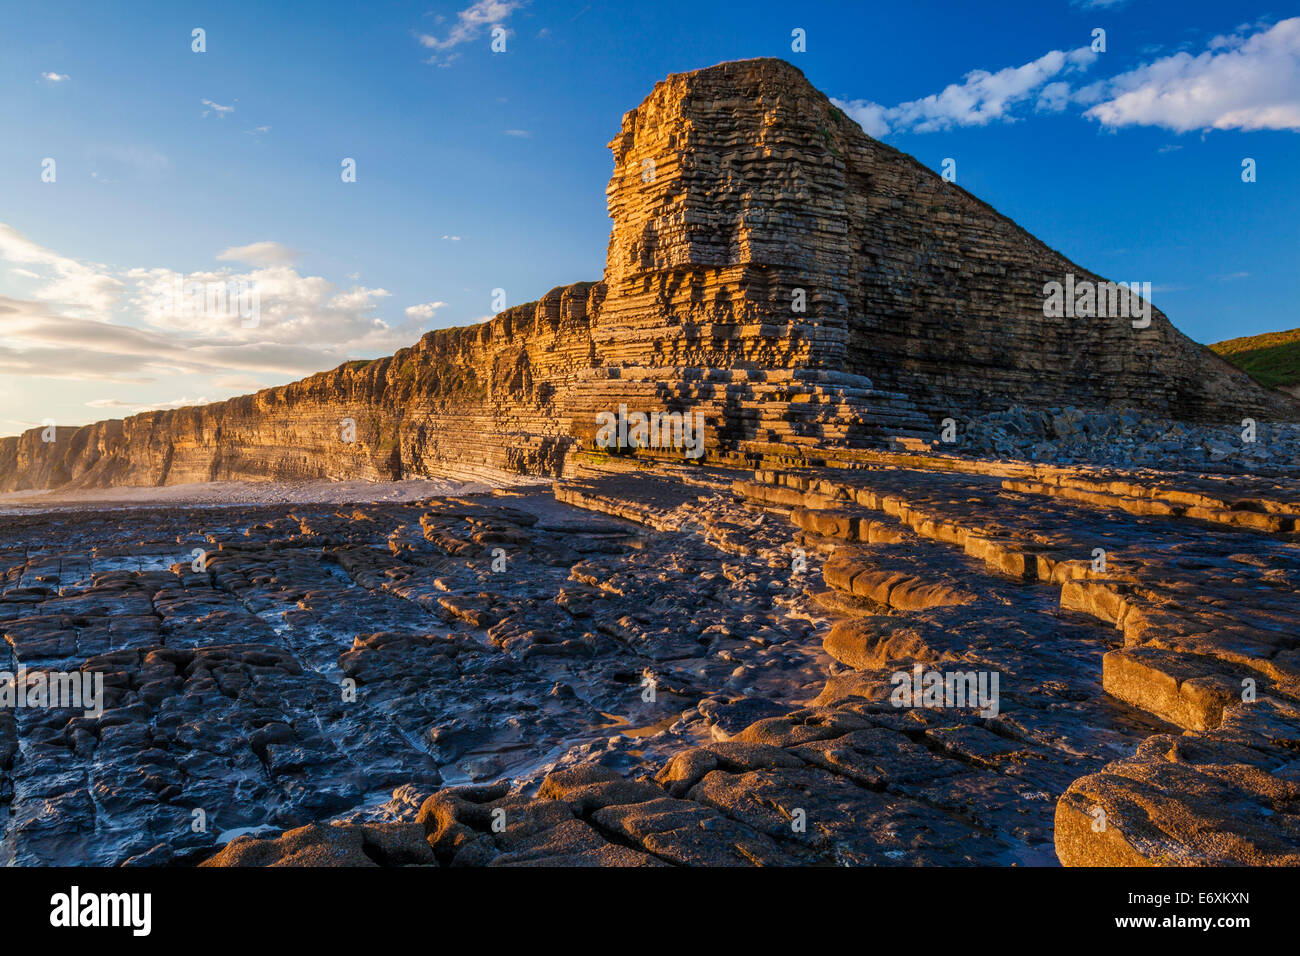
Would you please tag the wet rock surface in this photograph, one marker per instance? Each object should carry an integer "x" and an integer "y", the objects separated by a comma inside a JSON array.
[
  {"x": 278, "y": 667},
  {"x": 652, "y": 664}
]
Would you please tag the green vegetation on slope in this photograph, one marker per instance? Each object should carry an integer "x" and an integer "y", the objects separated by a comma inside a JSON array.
[{"x": 1272, "y": 359}]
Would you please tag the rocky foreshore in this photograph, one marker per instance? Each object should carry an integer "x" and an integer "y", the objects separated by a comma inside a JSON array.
[
  {"x": 653, "y": 664},
  {"x": 1128, "y": 439}
]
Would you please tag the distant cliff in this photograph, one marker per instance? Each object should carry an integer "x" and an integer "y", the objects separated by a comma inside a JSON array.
[
  {"x": 769, "y": 265},
  {"x": 460, "y": 401}
]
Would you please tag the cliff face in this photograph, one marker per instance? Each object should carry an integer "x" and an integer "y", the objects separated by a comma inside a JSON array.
[
  {"x": 460, "y": 402},
  {"x": 769, "y": 266},
  {"x": 759, "y": 186}
]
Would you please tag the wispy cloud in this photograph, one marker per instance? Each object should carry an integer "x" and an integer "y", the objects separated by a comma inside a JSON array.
[
  {"x": 265, "y": 253},
  {"x": 36, "y": 342},
  {"x": 86, "y": 321},
  {"x": 64, "y": 281},
  {"x": 217, "y": 108},
  {"x": 55, "y": 77},
  {"x": 423, "y": 312},
  {"x": 134, "y": 407},
  {"x": 1246, "y": 80},
  {"x": 469, "y": 26}
]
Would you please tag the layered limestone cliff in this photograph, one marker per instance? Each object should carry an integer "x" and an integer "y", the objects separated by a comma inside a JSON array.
[
  {"x": 460, "y": 402},
  {"x": 770, "y": 266},
  {"x": 740, "y": 188}
]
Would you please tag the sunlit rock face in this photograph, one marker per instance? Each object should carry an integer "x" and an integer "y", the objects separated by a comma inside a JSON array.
[
  {"x": 770, "y": 266},
  {"x": 644, "y": 663},
  {"x": 739, "y": 186}
]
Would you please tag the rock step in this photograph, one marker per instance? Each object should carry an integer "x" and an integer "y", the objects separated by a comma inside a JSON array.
[
  {"x": 1226, "y": 798},
  {"x": 1171, "y": 802},
  {"x": 1154, "y": 502},
  {"x": 1130, "y": 594}
]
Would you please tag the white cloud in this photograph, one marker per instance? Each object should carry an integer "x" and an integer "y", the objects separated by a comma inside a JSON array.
[
  {"x": 469, "y": 25},
  {"x": 423, "y": 312},
  {"x": 265, "y": 253},
  {"x": 147, "y": 407},
  {"x": 55, "y": 77},
  {"x": 1053, "y": 98},
  {"x": 981, "y": 98},
  {"x": 1247, "y": 80},
  {"x": 217, "y": 108},
  {"x": 37, "y": 342},
  {"x": 1239, "y": 82},
  {"x": 452, "y": 238},
  {"x": 66, "y": 281},
  {"x": 520, "y": 133},
  {"x": 85, "y": 322},
  {"x": 291, "y": 308}
]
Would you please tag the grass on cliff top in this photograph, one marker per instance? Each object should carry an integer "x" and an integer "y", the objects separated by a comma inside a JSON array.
[{"x": 1272, "y": 359}]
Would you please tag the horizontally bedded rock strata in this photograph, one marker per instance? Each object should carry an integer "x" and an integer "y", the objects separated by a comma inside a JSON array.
[{"x": 770, "y": 266}]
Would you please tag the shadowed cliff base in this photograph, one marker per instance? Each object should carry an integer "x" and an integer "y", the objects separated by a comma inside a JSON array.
[{"x": 770, "y": 266}]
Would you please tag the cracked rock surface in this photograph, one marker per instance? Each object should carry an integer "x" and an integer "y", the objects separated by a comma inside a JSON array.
[{"x": 654, "y": 665}]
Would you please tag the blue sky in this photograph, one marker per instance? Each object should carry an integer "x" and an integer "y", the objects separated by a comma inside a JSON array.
[{"x": 478, "y": 170}]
